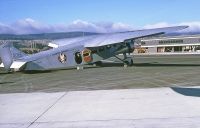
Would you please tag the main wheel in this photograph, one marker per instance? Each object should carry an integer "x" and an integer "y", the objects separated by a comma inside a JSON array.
[{"x": 129, "y": 62}]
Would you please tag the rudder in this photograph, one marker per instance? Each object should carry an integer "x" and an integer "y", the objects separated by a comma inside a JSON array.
[{"x": 8, "y": 54}]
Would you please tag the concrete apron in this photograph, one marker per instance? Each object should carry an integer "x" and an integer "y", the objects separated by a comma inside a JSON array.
[{"x": 138, "y": 108}]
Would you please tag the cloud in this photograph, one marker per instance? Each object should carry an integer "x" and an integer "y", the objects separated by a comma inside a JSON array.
[
  {"x": 193, "y": 26},
  {"x": 157, "y": 25},
  {"x": 30, "y": 26},
  {"x": 5, "y": 28},
  {"x": 80, "y": 25},
  {"x": 101, "y": 27}
]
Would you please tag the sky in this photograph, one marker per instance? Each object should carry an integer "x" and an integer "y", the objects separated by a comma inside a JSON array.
[{"x": 39, "y": 16}]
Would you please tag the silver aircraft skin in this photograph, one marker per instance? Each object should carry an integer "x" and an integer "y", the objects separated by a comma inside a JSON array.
[{"x": 79, "y": 51}]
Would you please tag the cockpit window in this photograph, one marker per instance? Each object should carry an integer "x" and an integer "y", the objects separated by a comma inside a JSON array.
[{"x": 86, "y": 54}]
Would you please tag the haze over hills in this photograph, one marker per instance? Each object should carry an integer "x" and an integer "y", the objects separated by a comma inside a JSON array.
[{"x": 50, "y": 36}]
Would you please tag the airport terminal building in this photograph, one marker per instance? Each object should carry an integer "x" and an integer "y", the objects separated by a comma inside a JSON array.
[{"x": 170, "y": 44}]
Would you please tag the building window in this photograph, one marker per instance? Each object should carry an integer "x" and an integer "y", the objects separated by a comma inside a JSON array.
[
  {"x": 170, "y": 41},
  {"x": 101, "y": 49},
  {"x": 168, "y": 49},
  {"x": 94, "y": 51},
  {"x": 178, "y": 49},
  {"x": 160, "y": 49}
]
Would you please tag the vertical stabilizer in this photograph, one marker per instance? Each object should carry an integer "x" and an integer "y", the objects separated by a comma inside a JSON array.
[{"x": 6, "y": 55}]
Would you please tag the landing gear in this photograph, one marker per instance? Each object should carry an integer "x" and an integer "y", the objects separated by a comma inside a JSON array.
[
  {"x": 128, "y": 61},
  {"x": 79, "y": 67}
]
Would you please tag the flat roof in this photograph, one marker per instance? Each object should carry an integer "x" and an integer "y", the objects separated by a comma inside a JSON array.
[{"x": 172, "y": 37}]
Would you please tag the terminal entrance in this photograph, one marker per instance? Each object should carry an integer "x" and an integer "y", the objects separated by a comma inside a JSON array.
[{"x": 178, "y": 49}]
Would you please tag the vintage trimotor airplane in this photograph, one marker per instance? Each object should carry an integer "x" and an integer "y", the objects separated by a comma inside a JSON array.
[{"x": 79, "y": 51}]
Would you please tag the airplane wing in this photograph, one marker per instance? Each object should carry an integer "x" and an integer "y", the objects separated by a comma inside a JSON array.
[{"x": 112, "y": 38}]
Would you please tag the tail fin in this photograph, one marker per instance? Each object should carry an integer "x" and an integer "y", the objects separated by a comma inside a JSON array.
[{"x": 8, "y": 53}]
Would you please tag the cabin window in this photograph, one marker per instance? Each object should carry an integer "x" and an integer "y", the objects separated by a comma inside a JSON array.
[
  {"x": 108, "y": 46},
  {"x": 114, "y": 45},
  {"x": 101, "y": 49},
  {"x": 94, "y": 51}
]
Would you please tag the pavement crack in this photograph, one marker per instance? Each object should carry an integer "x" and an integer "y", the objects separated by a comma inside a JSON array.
[{"x": 47, "y": 109}]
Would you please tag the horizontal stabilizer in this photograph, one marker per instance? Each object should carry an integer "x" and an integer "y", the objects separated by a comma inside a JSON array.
[
  {"x": 17, "y": 64},
  {"x": 9, "y": 55},
  {"x": 14, "y": 65},
  {"x": 1, "y": 65}
]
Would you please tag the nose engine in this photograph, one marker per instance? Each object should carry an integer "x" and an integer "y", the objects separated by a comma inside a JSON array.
[{"x": 87, "y": 55}]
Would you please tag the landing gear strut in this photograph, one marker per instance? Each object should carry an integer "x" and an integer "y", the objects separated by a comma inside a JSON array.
[
  {"x": 128, "y": 61},
  {"x": 79, "y": 67}
]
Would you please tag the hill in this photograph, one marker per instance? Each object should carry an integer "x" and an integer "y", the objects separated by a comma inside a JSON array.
[{"x": 50, "y": 36}]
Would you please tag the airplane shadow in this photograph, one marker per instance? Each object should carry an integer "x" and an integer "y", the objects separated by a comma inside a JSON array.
[
  {"x": 153, "y": 64},
  {"x": 158, "y": 64},
  {"x": 37, "y": 71},
  {"x": 6, "y": 82},
  {"x": 5, "y": 73},
  {"x": 98, "y": 65},
  {"x": 195, "y": 92},
  {"x": 109, "y": 64}
]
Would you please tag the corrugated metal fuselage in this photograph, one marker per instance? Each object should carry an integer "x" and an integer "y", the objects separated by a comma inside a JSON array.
[{"x": 71, "y": 57}]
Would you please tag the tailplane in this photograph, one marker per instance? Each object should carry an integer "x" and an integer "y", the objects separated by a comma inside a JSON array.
[{"x": 8, "y": 54}]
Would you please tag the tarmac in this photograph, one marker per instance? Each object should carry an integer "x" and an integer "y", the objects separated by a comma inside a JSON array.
[
  {"x": 127, "y": 108},
  {"x": 147, "y": 72},
  {"x": 157, "y": 92}
]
